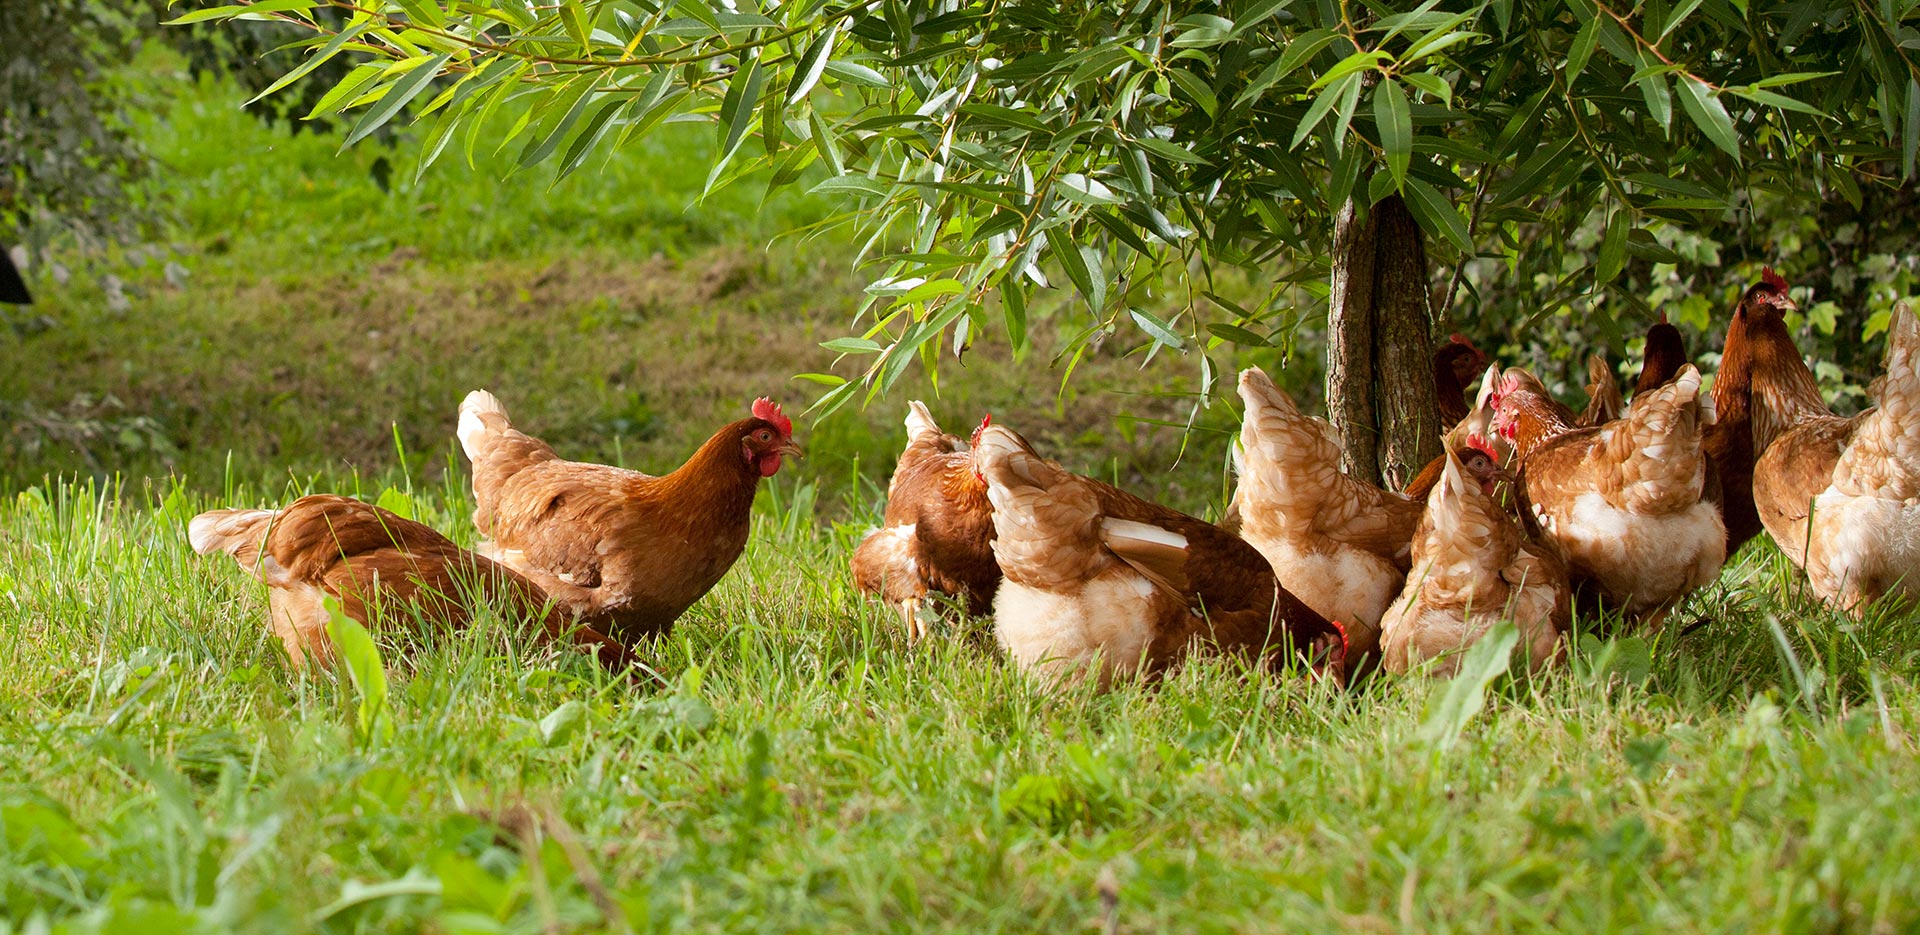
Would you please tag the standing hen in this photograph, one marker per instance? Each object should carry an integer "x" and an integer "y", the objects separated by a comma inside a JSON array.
[
  {"x": 1100, "y": 582},
  {"x": 937, "y": 534},
  {"x": 623, "y": 550},
  {"x": 1841, "y": 497},
  {"x": 1473, "y": 566},
  {"x": 1624, "y": 500},
  {"x": 1730, "y": 441},
  {"x": 375, "y": 563},
  {"x": 1341, "y": 545}
]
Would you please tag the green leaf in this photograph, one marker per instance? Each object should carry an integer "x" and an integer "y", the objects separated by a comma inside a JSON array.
[
  {"x": 736, "y": 114},
  {"x": 589, "y": 139},
  {"x": 1013, "y": 307},
  {"x": 1453, "y": 708},
  {"x": 1195, "y": 89},
  {"x": 825, "y": 379},
  {"x": 348, "y": 88},
  {"x": 1238, "y": 335},
  {"x": 812, "y": 64},
  {"x": 558, "y": 115},
  {"x": 858, "y": 184},
  {"x": 1438, "y": 215},
  {"x": 1613, "y": 248},
  {"x": 314, "y": 61},
  {"x": 852, "y": 346},
  {"x": 1166, "y": 150},
  {"x": 1771, "y": 99},
  {"x": 1161, "y": 332},
  {"x": 1704, "y": 106},
  {"x": 823, "y": 141},
  {"x": 1083, "y": 190},
  {"x": 229, "y": 12},
  {"x": 404, "y": 90},
  {"x": 1068, "y": 255},
  {"x": 1659, "y": 100},
  {"x": 1352, "y": 65},
  {"x": 574, "y": 16},
  {"x": 424, "y": 11},
  {"x": 355, "y": 649},
  {"x": 858, "y": 74},
  {"x": 1302, "y": 49},
  {"x": 1394, "y": 120},
  {"x": 1910, "y": 129},
  {"x": 562, "y": 722},
  {"x": 1582, "y": 50},
  {"x": 1317, "y": 111}
]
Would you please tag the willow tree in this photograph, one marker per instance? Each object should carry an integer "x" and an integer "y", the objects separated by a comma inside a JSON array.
[{"x": 1130, "y": 150}]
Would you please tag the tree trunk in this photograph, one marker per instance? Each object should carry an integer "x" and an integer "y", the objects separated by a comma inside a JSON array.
[
  {"x": 1350, "y": 344},
  {"x": 1379, "y": 345}
]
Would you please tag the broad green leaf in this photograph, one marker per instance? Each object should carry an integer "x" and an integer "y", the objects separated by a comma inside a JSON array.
[
  {"x": 1013, "y": 307},
  {"x": 1351, "y": 65},
  {"x": 858, "y": 184},
  {"x": 1760, "y": 95},
  {"x": 736, "y": 114},
  {"x": 812, "y": 64},
  {"x": 424, "y": 11},
  {"x": 562, "y": 722},
  {"x": 1453, "y": 708},
  {"x": 1704, "y": 106},
  {"x": 1613, "y": 247},
  {"x": 1437, "y": 214},
  {"x": 1300, "y": 50},
  {"x": 404, "y": 90},
  {"x": 1394, "y": 120},
  {"x": 396, "y": 501},
  {"x": 824, "y": 379},
  {"x": 1166, "y": 150},
  {"x": 355, "y": 649}
]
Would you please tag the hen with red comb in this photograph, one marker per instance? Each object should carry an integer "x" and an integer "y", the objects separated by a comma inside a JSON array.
[
  {"x": 625, "y": 551},
  {"x": 937, "y": 532}
]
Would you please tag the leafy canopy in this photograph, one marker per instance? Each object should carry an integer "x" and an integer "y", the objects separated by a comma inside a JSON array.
[{"x": 1129, "y": 150}]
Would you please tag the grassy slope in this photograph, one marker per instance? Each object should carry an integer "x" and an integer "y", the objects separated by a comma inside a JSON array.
[{"x": 795, "y": 767}]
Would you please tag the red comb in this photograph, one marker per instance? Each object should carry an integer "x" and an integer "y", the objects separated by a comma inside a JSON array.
[
  {"x": 764, "y": 408},
  {"x": 1478, "y": 442},
  {"x": 1771, "y": 278},
  {"x": 984, "y": 422}
]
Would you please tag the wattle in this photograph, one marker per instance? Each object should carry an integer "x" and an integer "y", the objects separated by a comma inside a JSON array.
[{"x": 768, "y": 463}]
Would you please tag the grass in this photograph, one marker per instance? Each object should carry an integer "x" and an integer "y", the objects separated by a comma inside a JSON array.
[{"x": 791, "y": 764}]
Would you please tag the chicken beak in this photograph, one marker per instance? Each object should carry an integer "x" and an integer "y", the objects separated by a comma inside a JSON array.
[{"x": 790, "y": 449}]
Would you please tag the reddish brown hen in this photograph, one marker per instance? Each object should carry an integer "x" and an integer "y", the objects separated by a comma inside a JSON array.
[
  {"x": 1102, "y": 583},
  {"x": 937, "y": 534},
  {"x": 376, "y": 564},
  {"x": 1730, "y": 442},
  {"x": 626, "y": 551}
]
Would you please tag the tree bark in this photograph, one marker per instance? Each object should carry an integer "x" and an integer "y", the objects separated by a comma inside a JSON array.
[
  {"x": 1350, "y": 344},
  {"x": 1380, "y": 391}
]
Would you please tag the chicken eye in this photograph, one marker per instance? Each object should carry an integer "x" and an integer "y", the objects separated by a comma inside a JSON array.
[{"x": 763, "y": 435}]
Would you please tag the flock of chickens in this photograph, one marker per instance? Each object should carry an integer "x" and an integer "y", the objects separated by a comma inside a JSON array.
[{"x": 1532, "y": 510}]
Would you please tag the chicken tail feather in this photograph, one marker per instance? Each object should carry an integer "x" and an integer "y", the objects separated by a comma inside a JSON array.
[
  {"x": 920, "y": 421},
  {"x": 238, "y": 533},
  {"x": 481, "y": 416}
]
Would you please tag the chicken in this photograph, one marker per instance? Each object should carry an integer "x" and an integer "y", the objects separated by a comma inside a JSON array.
[
  {"x": 1100, "y": 583},
  {"x": 1661, "y": 358},
  {"x": 1454, "y": 367},
  {"x": 1603, "y": 393},
  {"x": 1841, "y": 497},
  {"x": 1343, "y": 546},
  {"x": 376, "y": 564},
  {"x": 937, "y": 533},
  {"x": 624, "y": 551},
  {"x": 1473, "y": 566},
  {"x": 1730, "y": 442},
  {"x": 1625, "y": 500},
  {"x": 1478, "y": 423}
]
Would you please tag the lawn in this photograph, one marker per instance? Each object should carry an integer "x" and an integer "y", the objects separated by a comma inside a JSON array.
[{"x": 790, "y": 763}]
